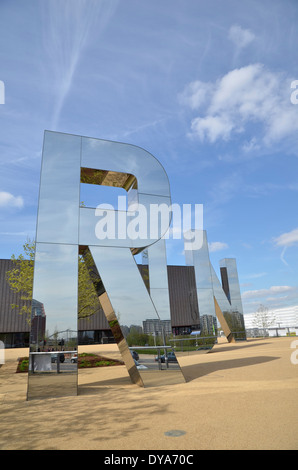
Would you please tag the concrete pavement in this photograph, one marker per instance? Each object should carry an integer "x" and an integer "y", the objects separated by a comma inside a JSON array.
[{"x": 239, "y": 396}]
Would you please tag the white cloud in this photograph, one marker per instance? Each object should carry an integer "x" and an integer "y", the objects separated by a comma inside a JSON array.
[
  {"x": 255, "y": 275},
  {"x": 243, "y": 88},
  {"x": 251, "y": 145},
  {"x": 245, "y": 98},
  {"x": 287, "y": 239},
  {"x": 212, "y": 128},
  {"x": 241, "y": 37},
  {"x": 17, "y": 234},
  {"x": 195, "y": 94},
  {"x": 8, "y": 200},
  {"x": 274, "y": 290},
  {"x": 273, "y": 297},
  {"x": 217, "y": 246}
]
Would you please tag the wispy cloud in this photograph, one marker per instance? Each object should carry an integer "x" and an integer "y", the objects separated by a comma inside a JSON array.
[
  {"x": 276, "y": 290},
  {"x": 217, "y": 246},
  {"x": 9, "y": 200},
  {"x": 255, "y": 275},
  {"x": 67, "y": 26},
  {"x": 241, "y": 37},
  {"x": 272, "y": 297},
  {"x": 286, "y": 240},
  {"x": 18, "y": 234}
]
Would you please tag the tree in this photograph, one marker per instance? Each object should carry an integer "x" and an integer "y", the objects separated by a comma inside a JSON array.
[
  {"x": 262, "y": 318},
  {"x": 88, "y": 301},
  {"x": 20, "y": 280},
  {"x": 136, "y": 338}
]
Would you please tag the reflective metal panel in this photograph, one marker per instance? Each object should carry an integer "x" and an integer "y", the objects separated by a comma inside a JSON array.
[
  {"x": 51, "y": 372},
  {"x": 120, "y": 339},
  {"x": 230, "y": 265},
  {"x": 139, "y": 315},
  {"x": 156, "y": 259},
  {"x": 231, "y": 308},
  {"x": 133, "y": 307},
  {"x": 67, "y": 160},
  {"x": 219, "y": 294},
  {"x": 235, "y": 318},
  {"x": 58, "y": 219},
  {"x": 206, "y": 335},
  {"x": 160, "y": 331},
  {"x": 126, "y": 158},
  {"x": 136, "y": 228},
  {"x": 227, "y": 302},
  {"x": 123, "y": 232},
  {"x": 123, "y": 283}
]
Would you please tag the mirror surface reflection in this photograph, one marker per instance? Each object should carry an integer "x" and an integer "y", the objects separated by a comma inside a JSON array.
[
  {"x": 135, "y": 299},
  {"x": 53, "y": 341},
  {"x": 142, "y": 333}
]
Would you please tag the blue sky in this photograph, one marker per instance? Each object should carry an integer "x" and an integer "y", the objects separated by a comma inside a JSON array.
[{"x": 204, "y": 86}]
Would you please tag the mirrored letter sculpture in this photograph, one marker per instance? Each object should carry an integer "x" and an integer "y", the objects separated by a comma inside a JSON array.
[
  {"x": 112, "y": 237},
  {"x": 216, "y": 300},
  {"x": 141, "y": 306}
]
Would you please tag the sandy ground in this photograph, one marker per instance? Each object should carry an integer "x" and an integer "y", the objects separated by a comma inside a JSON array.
[{"x": 239, "y": 396}]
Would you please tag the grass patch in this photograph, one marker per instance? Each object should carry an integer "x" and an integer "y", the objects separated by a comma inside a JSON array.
[
  {"x": 23, "y": 364},
  {"x": 93, "y": 360},
  {"x": 87, "y": 355},
  {"x": 85, "y": 360}
]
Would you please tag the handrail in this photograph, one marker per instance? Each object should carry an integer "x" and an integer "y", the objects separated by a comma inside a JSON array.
[
  {"x": 52, "y": 352},
  {"x": 150, "y": 347}
]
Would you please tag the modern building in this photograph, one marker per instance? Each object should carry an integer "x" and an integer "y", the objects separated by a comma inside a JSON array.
[
  {"x": 14, "y": 327},
  {"x": 281, "y": 322},
  {"x": 156, "y": 327}
]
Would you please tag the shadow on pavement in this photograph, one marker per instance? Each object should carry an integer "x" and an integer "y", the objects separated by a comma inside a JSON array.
[
  {"x": 241, "y": 345},
  {"x": 200, "y": 370}
]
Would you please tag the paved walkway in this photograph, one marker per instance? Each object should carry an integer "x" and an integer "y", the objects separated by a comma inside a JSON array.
[{"x": 239, "y": 396}]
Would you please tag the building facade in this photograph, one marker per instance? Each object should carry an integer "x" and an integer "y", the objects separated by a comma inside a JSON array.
[{"x": 14, "y": 327}]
